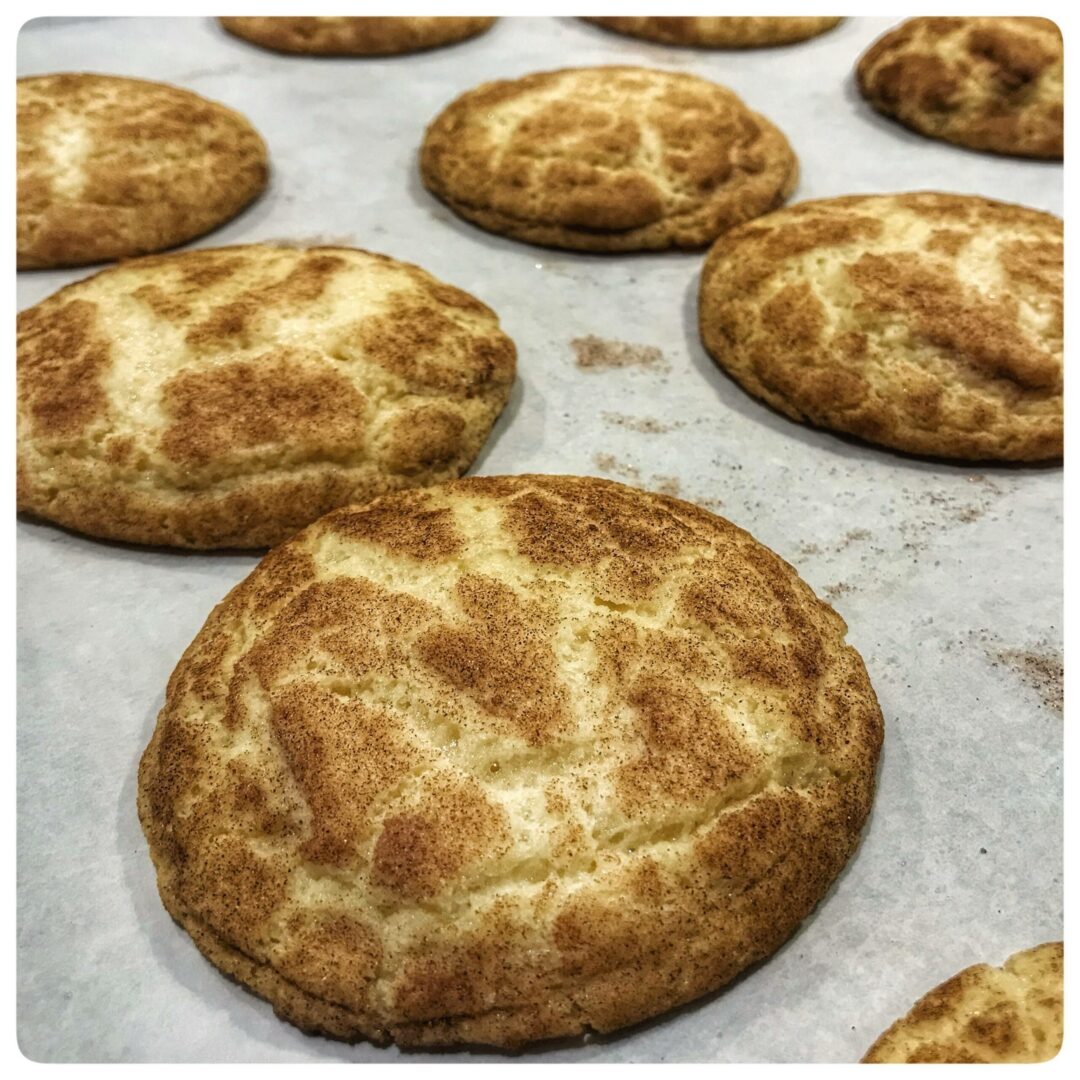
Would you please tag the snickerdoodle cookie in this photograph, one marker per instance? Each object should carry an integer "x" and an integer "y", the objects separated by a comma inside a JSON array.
[
  {"x": 110, "y": 167},
  {"x": 926, "y": 322},
  {"x": 985, "y": 1015},
  {"x": 607, "y": 159},
  {"x": 984, "y": 82},
  {"x": 226, "y": 397},
  {"x": 507, "y": 759},
  {"x": 719, "y": 31},
  {"x": 354, "y": 35}
]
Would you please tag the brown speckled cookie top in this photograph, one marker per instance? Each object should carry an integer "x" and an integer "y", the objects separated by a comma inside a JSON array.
[
  {"x": 985, "y": 1015},
  {"x": 507, "y": 759},
  {"x": 607, "y": 159},
  {"x": 354, "y": 35},
  {"x": 985, "y": 82},
  {"x": 229, "y": 396},
  {"x": 111, "y": 167},
  {"x": 719, "y": 31},
  {"x": 927, "y": 322}
]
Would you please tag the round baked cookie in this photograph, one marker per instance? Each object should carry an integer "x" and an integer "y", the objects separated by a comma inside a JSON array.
[
  {"x": 927, "y": 322},
  {"x": 110, "y": 167},
  {"x": 985, "y": 1015},
  {"x": 606, "y": 159},
  {"x": 352, "y": 35},
  {"x": 227, "y": 397},
  {"x": 506, "y": 759},
  {"x": 718, "y": 31},
  {"x": 984, "y": 82}
]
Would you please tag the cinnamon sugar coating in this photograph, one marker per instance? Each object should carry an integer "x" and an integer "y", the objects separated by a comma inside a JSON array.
[
  {"x": 354, "y": 35},
  {"x": 606, "y": 159},
  {"x": 110, "y": 167},
  {"x": 227, "y": 397},
  {"x": 985, "y": 1015},
  {"x": 926, "y": 322},
  {"x": 578, "y": 755},
  {"x": 719, "y": 31},
  {"x": 985, "y": 82}
]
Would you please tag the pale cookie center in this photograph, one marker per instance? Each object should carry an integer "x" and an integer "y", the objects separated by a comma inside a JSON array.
[{"x": 69, "y": 145}]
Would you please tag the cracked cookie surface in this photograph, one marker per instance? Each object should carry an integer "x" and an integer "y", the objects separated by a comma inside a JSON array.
[
  {"x": 983, "y": 82},
  {"x": 606, "y": 159},
  {"x": 110, "y": 167},
  {"x": 985, "y": 1015},
  {"x": 229, "y": 396},
  {"x": 507, "y": 759},
  {"x": 354, "y": 35},
  {"x": 927, "y": 322}
]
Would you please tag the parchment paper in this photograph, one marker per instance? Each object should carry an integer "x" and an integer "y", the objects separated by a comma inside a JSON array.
[{"x": 949, "y": 577}]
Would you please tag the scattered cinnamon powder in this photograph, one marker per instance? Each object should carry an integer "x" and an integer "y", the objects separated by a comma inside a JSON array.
[
  {"x": 1044, "y": 672},
  {"x": 647, "y": 425},
  {"x": 600, "y": 354}
]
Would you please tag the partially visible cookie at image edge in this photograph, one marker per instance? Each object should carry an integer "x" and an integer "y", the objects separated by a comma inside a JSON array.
[
  {"x": 983, "y": 82},
  {"x": 352, "y": 35},
  {"x": 109, "y": 167},
  {"x": 985, "y": 1015},
  {"x": 718, "y": 31},
  {"x": 926, "y": 322}
]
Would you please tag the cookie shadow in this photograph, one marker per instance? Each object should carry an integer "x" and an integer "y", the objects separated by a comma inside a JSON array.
[
  {"x": 245, "y": 227},
  {"x": 865, "y": 113},
  {"x": 442, "y": 215},
  {"x": 149, "y": 555},
  {"x": 504, "y": 420},
  {"x": 235, "y": 231}
]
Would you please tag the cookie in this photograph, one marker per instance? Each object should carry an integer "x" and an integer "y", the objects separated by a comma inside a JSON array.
[
  {"x": 718, "y": 31},
  {"x": 227, "y": 397},
  {"x": 983, "y": 82},
  {"x": 606, "y": 159},
  {"x": 506, "y": 759},
  {"x": 110, "y": 167},
  {"x": 926, "y": 322},
  {"x": 351, "y": 35},
  {"x": 985, "y": 1015}
]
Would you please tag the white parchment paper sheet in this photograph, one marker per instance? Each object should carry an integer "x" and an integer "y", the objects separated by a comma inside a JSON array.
[{"x": 949, "y": 576}]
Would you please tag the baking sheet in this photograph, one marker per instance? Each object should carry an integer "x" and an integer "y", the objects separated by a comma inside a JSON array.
[{"x": 949, "y": 576}]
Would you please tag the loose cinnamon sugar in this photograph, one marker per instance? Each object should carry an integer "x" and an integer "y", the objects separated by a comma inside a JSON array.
[{"x": 600, "y": 353}]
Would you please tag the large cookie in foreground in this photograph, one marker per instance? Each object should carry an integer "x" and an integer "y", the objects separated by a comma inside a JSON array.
[
  {"x": 607, "y": 159},
  {"x": 984, "y": 82},
  {"x": 507, "y": 759},
  {"x": 926, "y": 322},
  {"x": 229, "y": 396},
  {"x": 354, "y": 35},
  {"x": 111, "y": 167},
  {"x": 985, "y": 1015},
  {"x": 718, "y": 31}
]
